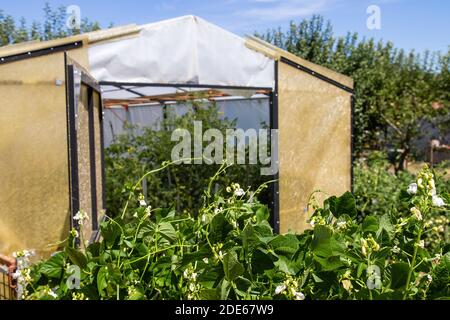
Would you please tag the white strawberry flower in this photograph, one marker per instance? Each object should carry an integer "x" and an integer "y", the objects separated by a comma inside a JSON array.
[
  {"x": 280, "y": 289},
  {"x": 438, "y": 201},
  {"x": 239, "y": 192},
  {"x": 148, "y": 211},
  {"x": 299, "y": 296},
  {"x": 81, "y": 216},
  {"x": 412, "y": 188}
]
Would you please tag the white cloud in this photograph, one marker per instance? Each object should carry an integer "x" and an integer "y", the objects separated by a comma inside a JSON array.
[{"x": 285, "y": 9}]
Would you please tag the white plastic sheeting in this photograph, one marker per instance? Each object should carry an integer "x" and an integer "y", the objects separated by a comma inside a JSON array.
[
  {"x": 185, "y": 50},
  {"x": 248, "y": 113}
]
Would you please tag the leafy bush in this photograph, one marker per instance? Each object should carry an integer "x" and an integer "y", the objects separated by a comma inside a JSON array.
[
  {"x": 230, "y": 252},
  {"x": 378, "y": 191}
]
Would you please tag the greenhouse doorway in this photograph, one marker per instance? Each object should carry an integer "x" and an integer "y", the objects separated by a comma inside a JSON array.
[
  {"x": 86, "y": 144},
  {"x": 144, "y": 110}
]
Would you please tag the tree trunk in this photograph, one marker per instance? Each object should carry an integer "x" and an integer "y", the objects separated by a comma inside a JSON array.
[{"x": 400, "y": 166}]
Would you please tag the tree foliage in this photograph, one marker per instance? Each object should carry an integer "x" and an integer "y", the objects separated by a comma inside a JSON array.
[
  {"x": 395, "y": 90},
  {"x": 52, "y": 27}
]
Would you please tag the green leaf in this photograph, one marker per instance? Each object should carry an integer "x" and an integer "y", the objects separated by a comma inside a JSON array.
[
  {"x": 399, "y": 275},
  {"x": 137, "y": 295},
  {"x": 316, "y": 278},
  {"x": 327, "y": 249},
  {"x": 370, "y": 224},
  {"x": 94, "y": 249},
  {"x": 288, "y": 266},
  {"x": 321, "y": 241},
  {"x": 209, "y": 294},
  {"x": 446, "y": 260},
  {"x": 262, "y": 214},
  {"x": 285, "y": 244},
  {"x": 345, "y": 204},
  {"x": 102, "y": 280},
  {"x": 231, "y": 266},
  {"x": 261, "y": 261},
  {"x": 220, "y": 228},
  {"x": 386, "y": 226},
  {"x": 329, "y": 263},
  {"x": 248, "y": 237},
  {"x": 77, "y": 257},
  {"x": 225, "y": 289},
  {"x": 167, "y": 231},
  {"x": 54, "y": 266},
  {"x": 188, "y": 258},
  {"x": 110, "y": 231},
  {"x": 361, "y": 268}
]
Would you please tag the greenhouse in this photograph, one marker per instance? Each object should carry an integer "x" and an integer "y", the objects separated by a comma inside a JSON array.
[{"x": 57, "y": 120}]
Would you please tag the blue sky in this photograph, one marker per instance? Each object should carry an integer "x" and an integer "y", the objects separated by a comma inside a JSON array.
[{"x": 410, "y": 24}]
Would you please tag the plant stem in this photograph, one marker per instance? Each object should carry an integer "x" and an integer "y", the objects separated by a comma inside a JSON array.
[
  {"x": 145, "y": 176},
  {"x": 412, "y": 267},
  {"x": 368, "y": 265}
]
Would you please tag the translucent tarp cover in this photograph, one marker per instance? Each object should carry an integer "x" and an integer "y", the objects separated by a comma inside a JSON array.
[
  {"x": 248, "y": 113},
  {"x": 182, "y": 50}
]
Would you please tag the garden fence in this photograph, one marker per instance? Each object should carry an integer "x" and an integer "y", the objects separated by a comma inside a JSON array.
[{"x": 7, "y": 283}]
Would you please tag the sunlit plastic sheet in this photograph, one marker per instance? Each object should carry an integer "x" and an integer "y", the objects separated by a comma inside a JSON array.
[
  {"x": 314, "y": 143},
  {"x": 182, "y": 50},
  {"x": 34, "y": 194}
]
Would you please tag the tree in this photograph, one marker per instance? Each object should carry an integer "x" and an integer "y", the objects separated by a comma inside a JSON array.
[
  {"x": 394, "y": 90},
  {"x": 53, "y": 27}
]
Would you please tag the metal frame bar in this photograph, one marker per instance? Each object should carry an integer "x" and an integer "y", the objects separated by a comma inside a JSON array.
[
  {"x": 352, "y": 144},
  {"x": 72, "y": 144},
  {"x": 92, "y": 159},
  {"x": 132, "y": 91},
  {"x": 179, "y": 85},
  {"x": 275, "y": 187},
  {"x": 102, "y": 147},
  {"x": 89, "y": 81},
  {"x": 40, "y": 52},
  {"x": 317, "y": 75}
]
